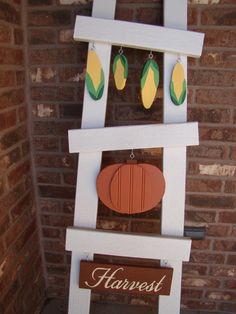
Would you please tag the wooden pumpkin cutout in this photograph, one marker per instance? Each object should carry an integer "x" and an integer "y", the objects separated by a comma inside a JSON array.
[{"x": 130, "y": 188}]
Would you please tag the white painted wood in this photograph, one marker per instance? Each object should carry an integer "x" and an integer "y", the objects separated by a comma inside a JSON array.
[
  {"x": 128, "y": 137},
  {"x": 127, "y": 244},
  {"x": 137, "y": 35},
  {"x": 174, "y": 160},
  {"x": 86, "y": 200}
]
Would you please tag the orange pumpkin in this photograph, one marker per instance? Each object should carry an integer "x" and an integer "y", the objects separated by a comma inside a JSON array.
[{"x": 130, "y": 188}]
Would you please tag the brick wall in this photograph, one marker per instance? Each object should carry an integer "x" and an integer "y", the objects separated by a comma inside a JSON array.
[
  {"x": 21, "y": 282},
  {"x": 56, "y": 66}
]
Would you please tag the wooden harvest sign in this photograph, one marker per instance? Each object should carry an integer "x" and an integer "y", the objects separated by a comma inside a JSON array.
[{"x": 125, "y": 279}]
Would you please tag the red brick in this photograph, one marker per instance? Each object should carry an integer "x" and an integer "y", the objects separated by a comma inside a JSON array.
[
  {"x": 145, "y": 226},
  {"x": 15, "y": 230},
  {"x": 46, "y": 144},
  {"x": 56, "y": 191},
  {"x": 22, "y": 207},
  {"x": 124, "y": 14},
  {"x": 207, "y": 201},
  {"x": 53, "y": 93},
  {"x": 51, "y": 233},
  {"x": 58, "y": 161},
  {"x": 9, "y": 14},
  {"x": 5, "y": 34},
  {"x": 223, "y": 271},
  {"x": 209, "y": 115},
  {"x": 227, "y": 217},
  {"x": 11, "y": 198},
  {"x": 211, "y": 78},
  {"x": 218, "y": 230},
  {"x": 218, "y": 134},
  {"x": 43, "y": 75},
  {"x": 7, "y": 119},
  {"x": 44, "y": 111},
  {"x": 209, "y": 258},
  {"x": 198, "y": 305},
  {"x": 5, "y": 224},
  {"x": 194, "y": 270},
  {"x": 48, "y": 177},
  {"x": 70, "y": 111},
  {"x": 219, "y": 16},
  {"x": 22, "y": 113},
  {"x": 7, "y": 78},
  {"x": 200, "y": 282},
  {"x": 229, "y": 307},
  {"x": 9, "y": 159},
  {"x": 50, "y": 206},
  {"x": 49, "y": 18},
  {"x": 54, "y": 245},
  {"x": 52, "y": 128},
  {"x": 207, "y": 151},
  {"x": 54, "y": 258},
  {"x": 25, "y": 236},
  {"x": 53, "y": 56},
  {"x": 18, "y": 173},
  {"x": 201, "y": 244},
  {"x": 224, "y": 245},
  {"x": 11, "y": 56},
  {"x": 40, "y": 3},
  {"x": 20, "y": 78},
  {"x": 56, "y": 221},
  {"x": 215, "y": 96},
  {"x": 57, "y": 281},
  {"x": 220, "y": 38},
  {"x": 113, "y": 224},
  {"x": 69, "y": 178},
  {"x": 13, "y": 137},
  {"x": 231, "y": 260},
  {"x": 200, "y": 185},
  {"x": 191, "y": 293},
  {"x": 219, "y": 59},
  {"x": 221, "y": 295},
  {"x": 18, "y": 36},
  {"x": 230, "y": 186},
  {"x": 149, "y": 15},
  {"x": 11, "y": 98},
  {"x": 41, "y": 37},
  {"x": 230, "y": 284},
  {"x": 192, "y": 16}
]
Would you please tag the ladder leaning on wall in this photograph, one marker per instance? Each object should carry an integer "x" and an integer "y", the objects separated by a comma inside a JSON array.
[{"x": 83, "y": 239}]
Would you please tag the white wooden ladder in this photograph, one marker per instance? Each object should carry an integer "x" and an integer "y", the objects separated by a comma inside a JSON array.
[{"x": 174, "y": 135}]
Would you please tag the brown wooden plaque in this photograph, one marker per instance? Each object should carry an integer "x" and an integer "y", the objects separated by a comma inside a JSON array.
[{"x": 125, "y": 279}]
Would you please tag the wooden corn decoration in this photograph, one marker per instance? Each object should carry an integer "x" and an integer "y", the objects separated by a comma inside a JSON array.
[
  {"x": 149, "y": 83},
  {"x": 94, "y": 76},
  {"x": 120, "y": 71},
  {"x": 178, "y": 85}
]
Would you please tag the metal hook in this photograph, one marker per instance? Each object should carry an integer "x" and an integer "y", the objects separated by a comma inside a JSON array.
[
  {"x": 132, "y": 154},
  {"x": 150, "y": 56},
  {"x": 120, "y": 50}
]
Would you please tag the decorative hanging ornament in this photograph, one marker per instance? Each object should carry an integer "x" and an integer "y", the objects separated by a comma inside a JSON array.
[
  {"x": 149, "y": 81},
  {"x": 94, "y": 75},
  {"x": 178, "y": 84},
  {"x": 130, "y": 188},
  {"x": 120, "y": 70}
]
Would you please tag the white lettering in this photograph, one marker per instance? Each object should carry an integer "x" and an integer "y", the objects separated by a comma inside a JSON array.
[{"x": 108, "y": 278}]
